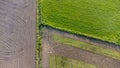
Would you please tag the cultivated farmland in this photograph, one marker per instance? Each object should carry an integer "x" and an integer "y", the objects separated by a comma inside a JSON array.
[
  {"x": 86, "y": 32},
  {"x": 60, "y": 47},
  {"x": 95, "y": 18}
]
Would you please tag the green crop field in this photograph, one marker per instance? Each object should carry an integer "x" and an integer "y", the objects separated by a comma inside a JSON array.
[
  {"x": 94, "y": 18},
  {"x": 63, "y": 62}
]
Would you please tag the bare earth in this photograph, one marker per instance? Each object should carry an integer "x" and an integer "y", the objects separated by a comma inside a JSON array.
[
  {"x": 17, "y": 33},
  {"x": 51, "y": 47}
]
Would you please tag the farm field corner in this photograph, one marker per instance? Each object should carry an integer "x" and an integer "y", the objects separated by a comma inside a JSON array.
[
  {"x": 85, "y": 52},
  {"x": 94, "y": 18}
]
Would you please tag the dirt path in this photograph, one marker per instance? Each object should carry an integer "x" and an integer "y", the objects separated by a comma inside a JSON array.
[
  {"x": 17, "y": 33},
  {"x": 78, "y": 54}
]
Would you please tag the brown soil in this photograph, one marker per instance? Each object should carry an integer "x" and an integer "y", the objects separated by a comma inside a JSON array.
[
  {"x": 51, "y": 47},
  {"x": 17, "y": 33}
]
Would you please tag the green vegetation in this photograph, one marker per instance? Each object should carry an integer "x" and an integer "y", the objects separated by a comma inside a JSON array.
[
  {"x": 89, "y": 47},
  {"x": 95, "y": 18},
  {"x": 63, "y": 62},
  {"x": 38, "y": 36}
]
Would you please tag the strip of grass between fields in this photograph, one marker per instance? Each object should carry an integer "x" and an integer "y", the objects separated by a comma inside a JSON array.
[
  {"x": 89, "y": 47},
  {"x": 63, "y": 62}
]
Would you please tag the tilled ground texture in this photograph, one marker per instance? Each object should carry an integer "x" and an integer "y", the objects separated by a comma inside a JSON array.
[
  {"x": 50, "y": 46},
  {"x": 17, "y": 33}
]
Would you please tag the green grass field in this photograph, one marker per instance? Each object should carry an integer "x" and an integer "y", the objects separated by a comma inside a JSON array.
[
  {"x": 94, "y": 18},
  {"x": 89, "y": 47},
  {"x": 63, "y": 62}
]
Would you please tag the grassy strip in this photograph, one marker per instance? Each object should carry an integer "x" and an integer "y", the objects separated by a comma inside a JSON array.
[
  {"x": 95, "y": 18},
  {"x": 38, "y": 32},
  {"x": 89, "y": 47},
  {"x": 63, "y": 62}
]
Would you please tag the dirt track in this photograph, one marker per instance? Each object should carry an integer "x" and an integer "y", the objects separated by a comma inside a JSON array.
[{"x": 75, "y": 53}]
